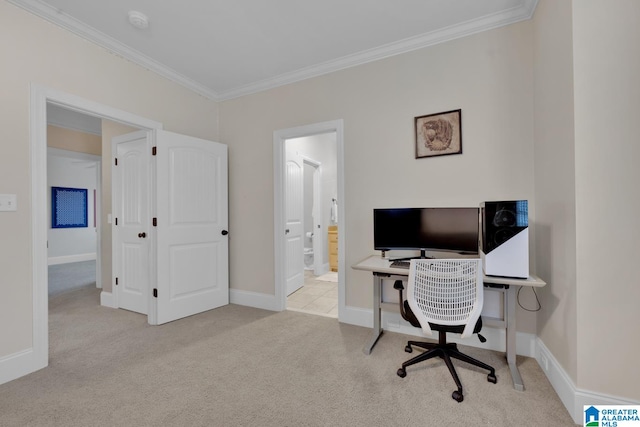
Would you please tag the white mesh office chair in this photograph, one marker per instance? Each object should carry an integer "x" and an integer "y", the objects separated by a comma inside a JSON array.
[{"x": 444, "y": 295}]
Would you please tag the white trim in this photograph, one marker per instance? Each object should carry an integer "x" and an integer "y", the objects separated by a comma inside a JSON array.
[
  {"x": 59, "y": 152},
  {"x": 279, "y": 138},
  {"x": 62, "y": 19},
  {"x": 66, "y": 259},
  {"x": 107, "y": 300},
  {"x": 523, "y": 12},
  {"x": 37, "y": 357},
  {"x": 254, "y": 299},
  {"x": 485, "y": 23},
  {"x": 356, "y": 316},
  {"x": 571, "y": 396},
  {"x": 98, "y": 214},
  {"x": 18, "y": 364}
]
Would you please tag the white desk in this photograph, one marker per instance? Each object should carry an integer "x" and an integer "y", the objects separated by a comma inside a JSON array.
[{"x": 381, "y": 269}]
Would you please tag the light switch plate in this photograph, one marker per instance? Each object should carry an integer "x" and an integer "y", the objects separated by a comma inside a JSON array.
[{"x": 8, "y": 202}]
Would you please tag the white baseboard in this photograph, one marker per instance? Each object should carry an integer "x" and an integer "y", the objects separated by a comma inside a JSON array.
[
  {"x": 356, "y": 316},
  {"x": 253, "y": 299},
  {"x": 71, "y": 258},
  {"x": 107, "y": 300},
  {"x": 572, "y": 397},
  {"x": 18, "y": 365}
]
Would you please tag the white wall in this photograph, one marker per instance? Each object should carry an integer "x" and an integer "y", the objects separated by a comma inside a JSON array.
[
  {"x": 587, "y": 100},
  {"x": 36, "y": 51},
  {"x": 607, "y": 107},
  {"x": 555, "y": 182},
  {"x": 68, "y": 169},
  {"x": 489, "y": 76}
]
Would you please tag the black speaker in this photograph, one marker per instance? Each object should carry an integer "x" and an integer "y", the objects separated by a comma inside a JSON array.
[{"x": 504, "y": 242}]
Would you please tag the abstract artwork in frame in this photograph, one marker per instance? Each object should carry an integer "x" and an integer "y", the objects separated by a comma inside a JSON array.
[
  {"x": 439, "y": 134},
  {"x": 68, "y": 207}
]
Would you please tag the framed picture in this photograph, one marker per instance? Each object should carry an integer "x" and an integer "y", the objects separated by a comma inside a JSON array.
[
  {"x": 68, "y": 207},
  {"x": 439, "y": 134}
]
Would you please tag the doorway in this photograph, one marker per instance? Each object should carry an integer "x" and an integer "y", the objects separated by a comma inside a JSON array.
[
  {"x": 74, "y": 142},
  {"x": 40, "y": 97},
  {"x": 74, "y": 188},
  {"x": 311, "y": 143}
]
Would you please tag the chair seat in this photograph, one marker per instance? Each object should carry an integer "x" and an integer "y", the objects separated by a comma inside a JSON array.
[{"x": 457, "y": 329}]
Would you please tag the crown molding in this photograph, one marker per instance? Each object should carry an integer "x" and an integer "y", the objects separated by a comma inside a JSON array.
[
  {"x": 67, "y": 22},
  {"x": 521, "y": 13}
]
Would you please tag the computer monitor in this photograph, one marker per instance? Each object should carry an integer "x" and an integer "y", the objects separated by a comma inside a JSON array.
[{"x": 437, "y": 229}]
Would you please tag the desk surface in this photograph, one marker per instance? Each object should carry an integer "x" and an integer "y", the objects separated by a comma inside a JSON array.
[{"x": 377, "y": 264}]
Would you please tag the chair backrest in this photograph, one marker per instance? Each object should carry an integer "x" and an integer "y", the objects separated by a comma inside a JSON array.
[{"x": 446, "y": 292}]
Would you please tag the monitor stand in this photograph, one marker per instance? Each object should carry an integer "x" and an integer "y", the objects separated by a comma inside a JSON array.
[{"x": 423, "y": 255}]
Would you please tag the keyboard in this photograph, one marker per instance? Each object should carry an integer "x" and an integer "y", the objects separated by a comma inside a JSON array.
[{"x": 400, "y": 264}]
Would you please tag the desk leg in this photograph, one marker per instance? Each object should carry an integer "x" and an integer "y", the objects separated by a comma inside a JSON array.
[
  {"x": 377, "y": 328},
  {"x": 510, "y": 303}
]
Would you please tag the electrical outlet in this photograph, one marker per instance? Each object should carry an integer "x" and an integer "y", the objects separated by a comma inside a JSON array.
[
  {"x": 544, "y": 362},
  {"x": 8, "y": 202}
]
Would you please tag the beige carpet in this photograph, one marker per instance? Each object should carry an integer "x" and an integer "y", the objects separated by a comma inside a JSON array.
[{"x": 239, "y": 366}]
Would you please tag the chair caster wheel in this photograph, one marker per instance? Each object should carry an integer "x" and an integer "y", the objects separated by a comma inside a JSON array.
[
  {"x": 492, "y": 378},
  {"x": 408, "y": 349},
  {"x": 457, "y": 396},
  {"x": 402, "y": 373}
]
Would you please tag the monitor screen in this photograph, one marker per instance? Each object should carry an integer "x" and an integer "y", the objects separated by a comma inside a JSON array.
[{"x": 445, "y": 229}]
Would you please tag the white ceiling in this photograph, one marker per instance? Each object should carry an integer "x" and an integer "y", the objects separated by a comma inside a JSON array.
[{"x": 228, "y": 48}]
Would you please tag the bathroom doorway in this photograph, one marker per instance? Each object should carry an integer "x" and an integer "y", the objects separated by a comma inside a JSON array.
[{"x": 317, "y": 203}]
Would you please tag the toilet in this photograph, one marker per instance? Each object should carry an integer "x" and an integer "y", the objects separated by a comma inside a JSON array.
[{"x": 308, "y": 258}]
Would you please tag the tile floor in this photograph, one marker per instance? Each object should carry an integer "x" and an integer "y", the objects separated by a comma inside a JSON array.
[{"x": 315, "y": 297}]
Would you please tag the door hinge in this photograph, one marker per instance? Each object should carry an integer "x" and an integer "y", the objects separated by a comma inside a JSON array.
[
  {"x": 116, "y": 160},
  {"x": 116, "y": 281},
  {"x": 155, "y": 222},
  {"x": 155, "y": 293},
  {"x": 116, "y": 221},
  {"x": 153, "y": 151}
]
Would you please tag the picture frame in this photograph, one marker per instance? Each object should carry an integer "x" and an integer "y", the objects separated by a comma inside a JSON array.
[
  {"x": 438, "y": 134},
  {"x": 68, "y": 207}
]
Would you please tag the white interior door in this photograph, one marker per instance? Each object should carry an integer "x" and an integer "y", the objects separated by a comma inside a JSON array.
[
  {"x": 318, "y": 237},
  {"x": 294, "y": 227},
  {"x": 131, "y": 220},
  {"x": 192, "y": 220}
]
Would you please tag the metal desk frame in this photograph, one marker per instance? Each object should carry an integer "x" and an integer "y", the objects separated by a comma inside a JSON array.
[{"x": 381, "y": 269}]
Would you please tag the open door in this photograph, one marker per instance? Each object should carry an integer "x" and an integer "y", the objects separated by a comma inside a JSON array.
[
  {"x": 171, "y": 247},
  {"x": 294, "y": 227},
  {"x": 192, "y": 220},
  {"x": 131, "y": 201}
]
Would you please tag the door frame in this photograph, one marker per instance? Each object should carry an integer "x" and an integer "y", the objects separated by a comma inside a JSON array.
[
  {"x": 279, "y": 139},
  {"x": 38, "y": 356}
]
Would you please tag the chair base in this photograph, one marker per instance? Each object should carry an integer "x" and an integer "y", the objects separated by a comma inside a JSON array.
[{"x": 446, "y": 351}]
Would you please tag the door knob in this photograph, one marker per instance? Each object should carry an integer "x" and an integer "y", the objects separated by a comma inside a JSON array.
[
  {"x": 142, "y": 235},
  {"x": 225, "y": 232},
  {"x": 286, "y": 231}
]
